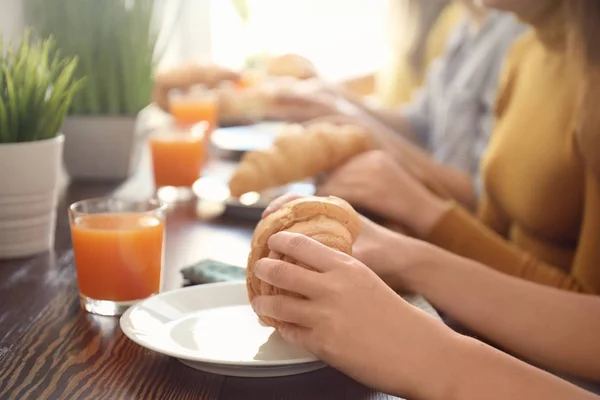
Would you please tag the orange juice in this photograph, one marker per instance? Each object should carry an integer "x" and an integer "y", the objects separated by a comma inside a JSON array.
[
  {"x": 177, "y": 159},
  {"x": 118, "y": 257},
  {"x": 246, "y": 81},
  {"x": 192, "y": 111}
]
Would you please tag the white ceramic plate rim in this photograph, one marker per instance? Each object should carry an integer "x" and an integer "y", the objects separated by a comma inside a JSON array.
[
  {"x": 266, "y": 130},
  {"x": 129, "y": 332}
]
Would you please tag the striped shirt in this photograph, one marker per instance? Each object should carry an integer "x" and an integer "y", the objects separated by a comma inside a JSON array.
[{"x": 452, "y": 115}]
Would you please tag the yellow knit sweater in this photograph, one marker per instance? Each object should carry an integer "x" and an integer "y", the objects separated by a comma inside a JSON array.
[{"x": 539, "y": 218}]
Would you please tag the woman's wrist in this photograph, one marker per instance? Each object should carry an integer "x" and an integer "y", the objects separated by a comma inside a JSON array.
[
  {"x": 430, "y": 358},
  {"x": 460, "y": 367},
  {"x": 449, "y": 363},
  {"x": 402, "y": 262},
  {"x": 456, "y": 369},
  {"x": 422, "y": 212},
  {"x": 423, "y": 267}
]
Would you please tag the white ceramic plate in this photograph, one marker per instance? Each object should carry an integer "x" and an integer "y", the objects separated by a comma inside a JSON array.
[
  {"x": 212, "y": 328},
  {"x": 246, "y": 138}
]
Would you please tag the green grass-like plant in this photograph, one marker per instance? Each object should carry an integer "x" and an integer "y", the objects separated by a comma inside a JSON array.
[
  {"x": 114, "y": 41},
  {"x": 36, "y": 89}
]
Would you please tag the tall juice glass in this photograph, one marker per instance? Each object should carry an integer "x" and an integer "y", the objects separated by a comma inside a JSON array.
[
  {"x": 196, "y": 105},
  {"x": 118, "y": 247},
  {"x": 178, "y": 155}
]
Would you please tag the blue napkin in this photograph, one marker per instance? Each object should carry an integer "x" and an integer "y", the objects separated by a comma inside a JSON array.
[{"x": 212, "y": 271}]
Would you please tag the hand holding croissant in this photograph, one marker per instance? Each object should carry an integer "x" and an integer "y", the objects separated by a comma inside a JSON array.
[{"x": 330, "y": 221}]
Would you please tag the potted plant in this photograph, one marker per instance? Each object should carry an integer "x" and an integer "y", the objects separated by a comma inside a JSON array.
[
  {"x": 115, "y": 44},
  {"x": 36, "y": 89}
]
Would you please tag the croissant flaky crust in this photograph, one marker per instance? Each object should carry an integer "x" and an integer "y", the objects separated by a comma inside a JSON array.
[
  {"x": 298, "y": 153},
  {"x": 328, "y": 220}
]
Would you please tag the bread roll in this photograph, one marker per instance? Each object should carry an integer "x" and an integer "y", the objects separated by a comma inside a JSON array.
[{"x": 328, "y": 220}]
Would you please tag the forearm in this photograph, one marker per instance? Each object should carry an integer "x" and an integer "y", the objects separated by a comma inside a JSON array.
[
  {"x": 359, "y": 86},
  {"x": 456, "y": 184},
  {"x": 395, "y": 137},
  {"x": 445, "y": 365},
  {"x": 482, "y": 372},
  {"x": 392, "y": 119},
  {"x": 553, "y": 328},
  {"x": 459, "y": 184}
]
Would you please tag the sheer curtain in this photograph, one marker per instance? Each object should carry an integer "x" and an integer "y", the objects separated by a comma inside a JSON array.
[
  {"x": 185, "y": 31},
  {"x": 342, "y": 37},
  {"x": 11, "y": 19}
]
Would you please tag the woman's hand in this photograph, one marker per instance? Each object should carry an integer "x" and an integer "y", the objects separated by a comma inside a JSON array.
[
  {"x": 337, "y": 119},
  {"x": 349, "y": 318},
  {"x": 390, "y": 255},
  {"x": 303, "y": 106},
  {"x": 375, "y": 182},
  {"x": 186, "y": 76},
  {"x": 317, "y": 97}
]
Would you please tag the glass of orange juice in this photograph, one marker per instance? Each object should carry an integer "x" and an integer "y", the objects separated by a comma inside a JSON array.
[
  {"x": 195, "y": 105},
  {"x": 178, "y": 154},
  {"x": 118, "y": 247}
]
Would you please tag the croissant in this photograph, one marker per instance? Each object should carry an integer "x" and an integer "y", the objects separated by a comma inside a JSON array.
[
  {"x": 329, "y": 220},
  {"x": 298, "y": 153}
]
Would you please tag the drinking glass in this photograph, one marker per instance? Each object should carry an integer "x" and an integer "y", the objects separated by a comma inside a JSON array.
[
  {"x": 118, "y": 247},
  {"x": 178, "y": 155},
  {"x": 198, "y": 104}
]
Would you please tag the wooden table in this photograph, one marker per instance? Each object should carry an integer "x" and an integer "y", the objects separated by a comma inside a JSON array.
[{"x": 51, "y": 349}]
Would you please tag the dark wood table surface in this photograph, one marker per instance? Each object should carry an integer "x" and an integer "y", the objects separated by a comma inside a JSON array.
[{"x": 51, "y": 349}]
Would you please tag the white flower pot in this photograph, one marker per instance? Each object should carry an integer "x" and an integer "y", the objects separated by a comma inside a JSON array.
[
  {"x": 28, "y": 195},
  {"x": 101, "y": 147}
]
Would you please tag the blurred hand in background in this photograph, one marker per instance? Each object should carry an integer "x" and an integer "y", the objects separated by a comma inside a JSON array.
[{"x": 183, "y": 77}]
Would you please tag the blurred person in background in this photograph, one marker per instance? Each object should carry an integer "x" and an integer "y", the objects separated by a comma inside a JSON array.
[
  {"x": 448, "y": 123},
  {"x": 417, "y": 32},
  {"x": 538, "y": 217}
]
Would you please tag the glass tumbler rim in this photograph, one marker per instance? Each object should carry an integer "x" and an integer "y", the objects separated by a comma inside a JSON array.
[
  {"x": 195, "y": 91},
  {"x": 171, "y": 129},
  {"x": 155, "y": 205}
]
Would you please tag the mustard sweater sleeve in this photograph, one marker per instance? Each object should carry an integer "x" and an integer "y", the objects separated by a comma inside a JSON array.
[{"x": 462, "y": 233}]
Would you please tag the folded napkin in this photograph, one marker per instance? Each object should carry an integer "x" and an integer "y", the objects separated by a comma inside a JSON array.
[{"x": 212, "y": 271}]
